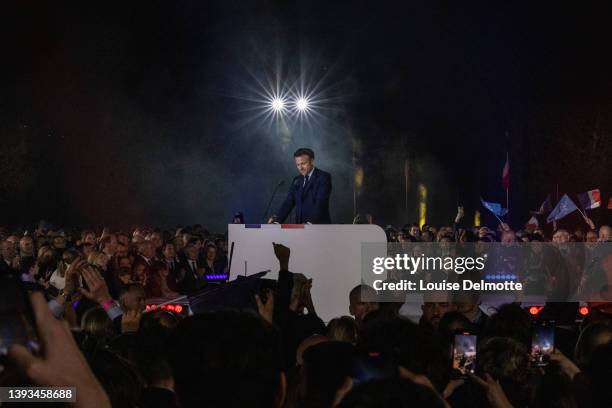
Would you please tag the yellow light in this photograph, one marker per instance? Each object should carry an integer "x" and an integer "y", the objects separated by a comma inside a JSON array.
[
  {"x": 477, "y": 218},
  {"x": 422, "y": 204},
  {"x": 358, "y": 177}
]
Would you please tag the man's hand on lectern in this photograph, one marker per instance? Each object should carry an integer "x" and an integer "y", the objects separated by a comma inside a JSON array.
[
  {"x": 282, "y": 254},
  {"x": 272, "y": 219}
]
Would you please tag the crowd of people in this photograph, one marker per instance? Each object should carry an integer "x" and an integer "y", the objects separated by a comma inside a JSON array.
[{"x": 89, "y": 290}]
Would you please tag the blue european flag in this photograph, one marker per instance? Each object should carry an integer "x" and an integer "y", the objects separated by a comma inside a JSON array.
[
  {"x": 564, "y": 207},
  {"x": 495, "y": 208}
]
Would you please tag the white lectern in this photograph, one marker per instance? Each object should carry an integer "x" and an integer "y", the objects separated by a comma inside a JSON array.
[{"x": 329, "y": 254}]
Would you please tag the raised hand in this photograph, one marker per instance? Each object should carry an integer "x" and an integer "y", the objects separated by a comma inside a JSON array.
[
  {"x": 98, "y": 290},
  {"x": 282, "y": 254},
  {"x": 495, "y": 393},
  {"x": 460, "y": 214},
  {"x": 62, "y": 364},
  {"x": 71, "y": 275},
  {"x": 566, "y": 365}
]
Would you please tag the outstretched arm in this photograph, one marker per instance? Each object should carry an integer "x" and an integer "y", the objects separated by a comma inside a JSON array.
[{"x": 61, "y": 364}]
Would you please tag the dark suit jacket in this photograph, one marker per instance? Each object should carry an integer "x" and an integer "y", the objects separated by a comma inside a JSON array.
[
  {"x": 311, "y": 201},
  {"x": 188, "y": 280},
  {"x": 217, "y": 269}
]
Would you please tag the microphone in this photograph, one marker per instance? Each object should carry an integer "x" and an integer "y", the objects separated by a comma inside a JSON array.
[{"x": 278, "y": 185}]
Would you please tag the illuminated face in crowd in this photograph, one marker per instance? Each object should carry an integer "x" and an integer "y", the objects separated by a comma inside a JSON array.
[
  {"x": 125, "y": 262},
  {"x": 483, "y": 232},
  {"x": 112, "y": 245},
  {"x": 414, "y": 231},
  {"x": 139, "y": 274},
  {"x": 45, "y": 254},
  {"x": 358, "y": 308},
  {"x": 591, "y": 236},
  {"x": 87, "y": 250},
  {"x": 14, "y": 240},
  {"x": 135, "y": 299},
  {"x": 169, "y": 251},
  {"x": 163, "y": 271},
  {"x": 125, "y": 276},
  {"x": 122, "y": 250},
  {"x": 59, "y": 242},
  {"x": 304, "y": 164},
  {"x": 147, "y": 250},
  {"x": 155, "y": 238},
  {"x": 508, "y": 237},
  {"x": 221, "y": 244},
  {"x": 123, "y": 239},
  {"x": 433, "y": 311},
  {"x": 211, "y": 253},
  {"x": 191, "y": 252},
  {"x": 26, "y": 246},
  {"x": 561, "y": 236},
  {"x": 102, "y": 261},
  {"x": 605, "y": 233},
  {"x": 179, "y": 244},
  {"x": 90, "y": 238},
  {"x": 7, "y": 251}
]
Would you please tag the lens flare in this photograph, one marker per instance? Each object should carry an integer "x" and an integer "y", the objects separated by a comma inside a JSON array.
[
  {"x": 302, "y": 104},
  {"x": 277, "y": 104}
]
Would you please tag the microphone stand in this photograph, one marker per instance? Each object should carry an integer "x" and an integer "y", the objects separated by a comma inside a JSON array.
[{"x": 280, "y": 183}]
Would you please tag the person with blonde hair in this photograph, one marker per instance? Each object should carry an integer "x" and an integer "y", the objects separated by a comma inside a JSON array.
[
  {"x": 343, "y": 328},
  {"x": 98, "y": 259},
  {"x": 96, "y": 322}
]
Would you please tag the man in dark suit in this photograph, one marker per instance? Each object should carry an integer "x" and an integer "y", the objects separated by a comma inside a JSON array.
[
  {"x": 189, "y": 278},
  {"x": 309, "y": 192}
]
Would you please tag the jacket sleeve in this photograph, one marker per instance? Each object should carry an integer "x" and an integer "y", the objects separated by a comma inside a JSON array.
[
  {"x": 322, "y": 198},
  {"x": 288, "y": 204}
]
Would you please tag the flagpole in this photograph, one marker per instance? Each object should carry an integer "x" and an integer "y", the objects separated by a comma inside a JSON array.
[
  {"x": 507, "y": 200},
  {"x": 581, "y": 213},
  {"x": 498, "y": 219},
  {"x": 508, "y": 187},
  {"x": 406, "y": 170}
]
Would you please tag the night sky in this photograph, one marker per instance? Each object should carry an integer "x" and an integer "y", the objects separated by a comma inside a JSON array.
[{"x": 143, "y": 112}]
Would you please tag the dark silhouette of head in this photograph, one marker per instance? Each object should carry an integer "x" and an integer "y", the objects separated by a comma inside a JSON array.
[{"x": 227, "y": 359}]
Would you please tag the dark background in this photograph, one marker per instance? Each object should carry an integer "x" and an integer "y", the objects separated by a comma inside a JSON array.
[{"x": 139, "y": 112}]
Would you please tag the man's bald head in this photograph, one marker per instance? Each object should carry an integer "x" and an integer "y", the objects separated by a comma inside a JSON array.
[{"x": 605, "y": 233}]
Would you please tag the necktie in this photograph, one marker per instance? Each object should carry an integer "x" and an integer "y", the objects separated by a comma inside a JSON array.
[{"x": 306, "y": 179}]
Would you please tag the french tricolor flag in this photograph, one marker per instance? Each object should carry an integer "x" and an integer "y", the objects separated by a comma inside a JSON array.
[
  {"x": 532, "y": 224},
  {"x": 590, "y": 199},
  {"x": 506, "y": 174}
]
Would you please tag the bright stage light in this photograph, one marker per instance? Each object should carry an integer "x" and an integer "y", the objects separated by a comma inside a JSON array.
[
  {"x": 302, "y": 104},
  {"x": 278, "y": 104}
]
